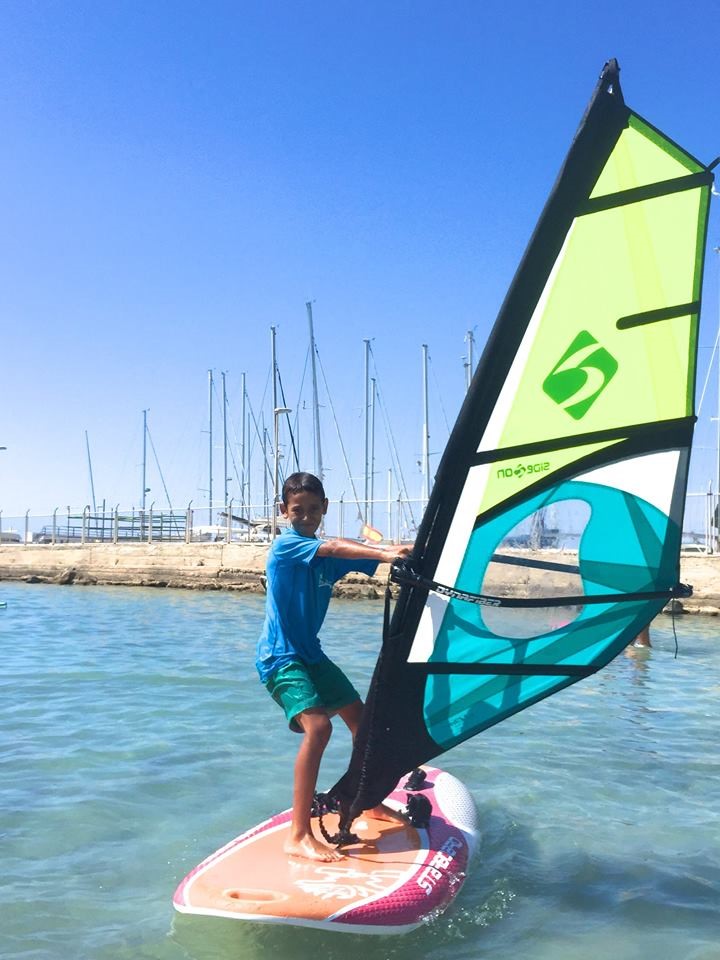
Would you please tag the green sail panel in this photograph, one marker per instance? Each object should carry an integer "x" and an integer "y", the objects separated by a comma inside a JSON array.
[
  {"x": 577, "y": 371},
  {"x": 581, "y": 408},
  {"x": 643, "y": 156}
]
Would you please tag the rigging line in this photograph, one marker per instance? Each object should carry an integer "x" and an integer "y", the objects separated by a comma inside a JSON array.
[
  {"x": 339, "y": 436},
  {"x": 296, "y": 420},
  {"x": 672, "y": 612},
  {"x": 262, "y": 405},
  {"x": 232, "y": 427},
  {"x": 232, "y": 455},
  {"x": 157, "y": 464},
  {"x": 287, "y": 416},
  {"x": 254, "y": 419},
  {"x": 394, "y": 456},
  {"x": 437, "y": 386},
  {"x": 258, "y": 435},
  {"x": 709, "y": 371}
]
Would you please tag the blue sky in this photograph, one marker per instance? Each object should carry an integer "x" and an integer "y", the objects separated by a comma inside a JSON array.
[{"x": 177, "y": 177}]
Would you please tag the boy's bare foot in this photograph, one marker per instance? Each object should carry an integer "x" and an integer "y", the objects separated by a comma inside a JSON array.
[
  {"x": 311, "y": 849},
  {"x": 383, "y": 812}
]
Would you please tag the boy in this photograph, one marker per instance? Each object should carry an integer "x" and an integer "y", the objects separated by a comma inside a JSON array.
[{"x": 310, "y": 688}]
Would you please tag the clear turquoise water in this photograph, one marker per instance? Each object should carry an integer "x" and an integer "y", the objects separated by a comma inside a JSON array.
[{"x": 135, "y": 739}]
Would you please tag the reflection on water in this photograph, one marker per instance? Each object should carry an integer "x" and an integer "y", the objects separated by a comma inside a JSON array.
[{"x": 135, "y": 739}]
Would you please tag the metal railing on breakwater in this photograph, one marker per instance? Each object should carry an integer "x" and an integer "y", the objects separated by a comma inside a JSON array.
[
  {"x": 396, "y": 519},
  {"x": 233, "y": 522}
]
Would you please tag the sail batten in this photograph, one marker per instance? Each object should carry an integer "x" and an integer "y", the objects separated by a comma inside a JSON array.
[
  {"x": 648, "y": 192},
  {"x": 581, "y": 408},
  {"x": 503, "y": 669},
  {"x": 664, "y": 427},
  {"x": 662, "y": 313}
]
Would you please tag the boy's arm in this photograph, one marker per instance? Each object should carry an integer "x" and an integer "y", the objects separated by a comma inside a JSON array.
[{"x": 353, "y": 550}]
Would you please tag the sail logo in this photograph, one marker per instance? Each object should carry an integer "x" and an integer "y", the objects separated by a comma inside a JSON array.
[
  {"x": 519, "y": 471},
  {"x": 580, "y": 376}
]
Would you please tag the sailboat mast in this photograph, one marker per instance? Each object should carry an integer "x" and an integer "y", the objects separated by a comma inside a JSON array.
[
  {"x": 242, "y": 440},
  {"x": 273, "y": 363},
  {"x": 92, "y": 482},
  {"x": 276, "y": 453},
  {"x": 225, "y": 444},
  {"x": 266, "y": 494},
  {"x": 210, "y": 445},
  {"x": 316, "y": 403},
  {"x": 426, "y": 427},
  {"x": 372, "y": 451},
  {"x": 144, "y": 460},
  {"x": 717, "y": 475},
  {"x": 470, "y": 340},
  {"x": 367, "y": 429}
]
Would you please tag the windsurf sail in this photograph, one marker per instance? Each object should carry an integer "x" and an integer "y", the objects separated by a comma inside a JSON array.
[{"x": 581, "y": 406}]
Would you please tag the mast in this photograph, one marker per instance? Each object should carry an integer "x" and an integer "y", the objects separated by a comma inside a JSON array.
[
  {"x": 92, "y": 482},
  {"x": 273, "y": 510},
  {"x": 273, "y": 363},
  {"x": 717, "y": 474},
  {"x": 367, "y": 429},
  {"x": 210, "y": 446},
  {"x": 144, "y": 460},
  {"x": 277, "y": 413},
  {"x": 426, "y": 427},
  {"x": 242, "y": 441},
  {"x": 372, "y": 450},
  {"x": 716, "y": 512},
  {"x": 225, "y": 444},
  {"x": 316, "y": 404},
  {"x": 266, "y": 501},
  {"x": 469, "y": 365}
]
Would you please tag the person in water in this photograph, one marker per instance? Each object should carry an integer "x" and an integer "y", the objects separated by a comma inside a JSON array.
[{"x": 307, "y": 685}]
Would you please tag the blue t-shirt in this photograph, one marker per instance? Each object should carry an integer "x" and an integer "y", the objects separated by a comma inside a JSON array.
[{"x": 299, "y": 586}]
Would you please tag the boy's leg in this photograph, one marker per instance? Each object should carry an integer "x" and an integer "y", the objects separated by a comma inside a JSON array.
[
  {"x": 352, "y": 715},
  {"x": 316, "y": 728}
]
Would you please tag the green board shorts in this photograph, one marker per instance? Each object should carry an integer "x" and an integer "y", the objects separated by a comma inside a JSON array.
[{"x": 301, "y": 686}]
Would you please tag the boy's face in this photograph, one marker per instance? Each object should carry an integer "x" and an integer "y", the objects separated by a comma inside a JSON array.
[{"x": 305, "y": 511}]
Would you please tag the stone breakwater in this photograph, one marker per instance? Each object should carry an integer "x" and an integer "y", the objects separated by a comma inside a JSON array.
[{"x": 241, "y": 567}]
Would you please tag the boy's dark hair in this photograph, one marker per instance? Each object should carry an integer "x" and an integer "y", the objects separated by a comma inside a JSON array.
[{"x": 299, "y": 482}]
